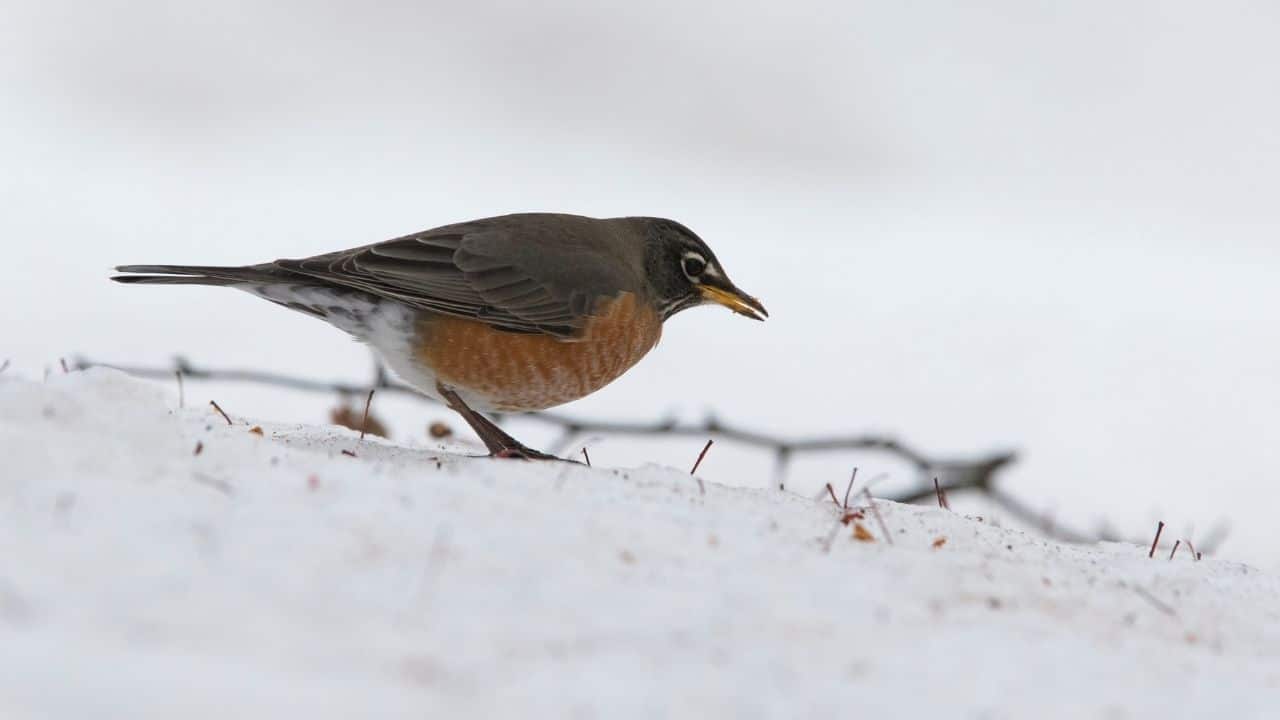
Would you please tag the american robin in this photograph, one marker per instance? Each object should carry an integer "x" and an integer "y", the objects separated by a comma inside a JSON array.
[{"x": 511, "y": 313}]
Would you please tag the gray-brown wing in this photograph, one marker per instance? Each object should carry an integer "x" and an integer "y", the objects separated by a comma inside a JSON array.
[{"x": 523, "y": 273}]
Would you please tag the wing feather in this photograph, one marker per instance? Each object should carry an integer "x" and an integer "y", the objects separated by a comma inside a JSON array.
[{"x": 534, "y": 273}]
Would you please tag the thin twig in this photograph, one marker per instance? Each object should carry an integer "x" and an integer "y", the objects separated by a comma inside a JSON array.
[
  {"x": 63, "y": 362},
  {"x": 1176, "y": 545},
  {"x": 1026, "y": 514},
  {"x": 364, "y": 422},
  {"x": 586, "y": 456},
  {"x": 701, "y": 455},
  {"x": 852, "y": 476},
  {"x": 1156, "y": 541},
  {"x": 182, "y": 395},
  {"x": 888, "y": 537},
  {"x": 942, "y": 495},
  {"x": 832, "y": 492},
  {"x": 975, "y": 475},
  {"x": 702, "y": 487},
  {"x": 1192, "y": 548},
  {"x": 220, "y": 412}
]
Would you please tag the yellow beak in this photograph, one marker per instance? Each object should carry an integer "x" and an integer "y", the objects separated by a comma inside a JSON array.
[{"x": 735, "y": 300}]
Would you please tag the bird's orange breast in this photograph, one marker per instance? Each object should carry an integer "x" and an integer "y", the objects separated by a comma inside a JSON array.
[{"x": 516, "y": 371}]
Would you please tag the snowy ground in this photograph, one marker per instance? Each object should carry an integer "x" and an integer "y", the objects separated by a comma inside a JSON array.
[{"x": 274, "y": 576}]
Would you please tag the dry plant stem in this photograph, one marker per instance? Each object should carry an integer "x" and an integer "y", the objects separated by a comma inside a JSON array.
[
  {"x": 1156, "y": 541},
  {"x": 942, "y": 495},
  {"x": 852, "y": 476},
  {"x": 879, "y": 518},
  {"x": 702, "y": 487},
  {"x": 586, "y": 456},
  {"x": 701, "y": 455},
  {"x": 63, "y": 363},
  {"x": 182, "y": 395},
  {"x": 1192, "y": 548},
  {"x": 364, "y": 422},
  {"x": 977, "y": 475},
  {"x": 220, "y": 412},
  {"x": 832, "y": 492},
  {"x": 1176, "y": 545},
  {"x": 1024, "y": 513}
]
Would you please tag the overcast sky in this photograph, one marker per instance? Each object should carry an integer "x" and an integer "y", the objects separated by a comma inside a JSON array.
[{"x": 1038, "y": 225}]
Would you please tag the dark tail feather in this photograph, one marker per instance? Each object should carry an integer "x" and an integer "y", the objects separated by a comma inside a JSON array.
[{"x": 201, "y": 274}]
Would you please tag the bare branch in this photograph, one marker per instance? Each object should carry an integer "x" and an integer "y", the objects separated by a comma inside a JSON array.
[
  {"x": 832, "y": 492},
  {"x": 701, "y": 455},
  {"x": 974, "y": 475},
  {"x": 977, "y": 475},
  {"x": 852, "y": 476},
  {"x": 220, "y": 411},
  {"x": 364, "y": 422},
  {"x": 942, "y": 496}
]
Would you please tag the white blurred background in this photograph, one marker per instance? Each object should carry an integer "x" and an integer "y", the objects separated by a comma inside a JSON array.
[{"x": 1044, "y": 226}]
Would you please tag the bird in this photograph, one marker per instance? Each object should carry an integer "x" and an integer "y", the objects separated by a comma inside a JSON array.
[{"x": 512, "y": 313}]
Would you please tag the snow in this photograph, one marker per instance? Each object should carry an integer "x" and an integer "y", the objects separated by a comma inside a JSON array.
[{"x": 273, "y": 575}]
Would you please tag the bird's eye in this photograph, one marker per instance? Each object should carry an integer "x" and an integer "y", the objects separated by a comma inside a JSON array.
[{"x": 693, "y": 266}]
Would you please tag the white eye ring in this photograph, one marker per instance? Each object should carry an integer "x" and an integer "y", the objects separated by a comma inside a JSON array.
[{"x": 696, "y": 260}]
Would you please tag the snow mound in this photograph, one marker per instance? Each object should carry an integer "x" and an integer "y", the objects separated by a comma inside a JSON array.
[{"x": 158, "y": 562}]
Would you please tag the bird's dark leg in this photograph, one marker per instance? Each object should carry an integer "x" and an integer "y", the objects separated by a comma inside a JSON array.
[{"x": 499, "y": 443}]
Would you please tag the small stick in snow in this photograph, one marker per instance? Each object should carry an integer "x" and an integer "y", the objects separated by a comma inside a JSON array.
[
  {"x": 182, "y": 396},
  {"x": 942, "y": 496},
  {"x": 348, "y": 453},
  {"x": 832, "y": 492},
  {"x": 586, "y": 456},
  {"x": 1154, "y": 543},
  {"x": 852, "y": 477},
  {"x": 63, "y": 362},
  {"x": 1192, "y": 548},
  {"x": 1176, "y": 545},
  {"x": 888, "y": 537},
  {"x": 220, "y": 412},
  {"x": 364, "y": 422},
  {"x": 702, "y": 488},
  {"x": 701, "y": 455}
]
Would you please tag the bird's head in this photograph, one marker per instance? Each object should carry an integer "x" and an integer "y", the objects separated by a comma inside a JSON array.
[{"x": 683, "y": 272}]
